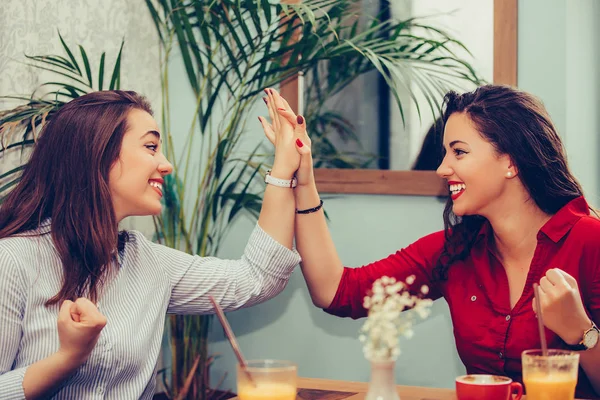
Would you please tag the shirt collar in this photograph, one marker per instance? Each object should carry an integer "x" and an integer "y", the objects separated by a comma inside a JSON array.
[{"x": 564, "y": 219}]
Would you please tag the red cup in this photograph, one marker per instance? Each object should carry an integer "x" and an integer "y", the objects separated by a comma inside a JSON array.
[{"x": 488, "y": 387}]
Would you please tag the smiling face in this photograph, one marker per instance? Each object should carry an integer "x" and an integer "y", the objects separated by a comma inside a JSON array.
[
  {"x": 136, "y": 178},
  {"x": 476, "y": 173}
]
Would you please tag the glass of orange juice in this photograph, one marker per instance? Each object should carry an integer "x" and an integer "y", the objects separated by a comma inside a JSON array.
[
  {"x": 551, "y": 377},
  {"x": 267, "y": 380}
]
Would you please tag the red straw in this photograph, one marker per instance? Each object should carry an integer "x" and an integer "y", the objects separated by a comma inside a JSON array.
[
  {"x": 231, "y": 338},
  {"x": 536, "y": 292}
]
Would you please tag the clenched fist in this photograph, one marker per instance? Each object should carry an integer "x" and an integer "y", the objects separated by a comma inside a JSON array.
[
  {"x": 79, "y": 327},
  {"x": 562, "y": 308}
]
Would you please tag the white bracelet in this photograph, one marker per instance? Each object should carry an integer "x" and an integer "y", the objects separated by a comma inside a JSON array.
[{"x": 287, "y": 183}]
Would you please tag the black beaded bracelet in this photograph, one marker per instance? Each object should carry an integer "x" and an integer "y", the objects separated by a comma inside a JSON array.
[{"x": 310, "y": 210}]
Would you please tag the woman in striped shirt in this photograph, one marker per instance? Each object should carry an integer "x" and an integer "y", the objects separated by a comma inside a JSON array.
[{"x": 82, "y": 306}]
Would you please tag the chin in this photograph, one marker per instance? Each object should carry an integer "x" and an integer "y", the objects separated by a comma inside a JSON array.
[
  {"x": 458, "y": 211},
  {"x": 150, "y": 210},
  {"x": 461, "y": 211},
  {"x": 156, "y": 211}
]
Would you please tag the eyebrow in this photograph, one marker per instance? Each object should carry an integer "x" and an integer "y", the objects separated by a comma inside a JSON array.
[
  {"x": 454, "y": 142},
  {"x": 152, "y": 132}
]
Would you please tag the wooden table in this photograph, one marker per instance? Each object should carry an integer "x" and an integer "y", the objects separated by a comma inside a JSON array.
[{"x": 327, "y": 389}]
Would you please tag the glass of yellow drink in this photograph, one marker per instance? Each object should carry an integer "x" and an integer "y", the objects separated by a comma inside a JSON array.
[
  {"x": 267, "y": 380},
  {"x": 550, "y": 377}
]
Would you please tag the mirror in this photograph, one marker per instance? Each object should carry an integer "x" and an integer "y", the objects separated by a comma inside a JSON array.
[{"x": 493, "y": 43}]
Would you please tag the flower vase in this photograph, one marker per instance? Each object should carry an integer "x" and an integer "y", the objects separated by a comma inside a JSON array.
[{"x": 383, "y": 382}]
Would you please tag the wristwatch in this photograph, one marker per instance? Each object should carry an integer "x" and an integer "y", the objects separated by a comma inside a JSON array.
[
  {"x": 288, "y": 183},
  {"x": 589, "y": 340}
]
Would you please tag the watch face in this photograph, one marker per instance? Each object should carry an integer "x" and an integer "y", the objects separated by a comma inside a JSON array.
[{"x": 590, "y": 339}]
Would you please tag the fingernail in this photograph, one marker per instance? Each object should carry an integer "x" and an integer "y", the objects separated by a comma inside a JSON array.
[
  {"x": 260, "y": 120},
  {"x": 265, "y": 100},
  {"x": 299, "y": 143},
  {"x": 269, "y": 91},
  {"x": 300, "y": 119},
  {"x": 281, "y": 109}
]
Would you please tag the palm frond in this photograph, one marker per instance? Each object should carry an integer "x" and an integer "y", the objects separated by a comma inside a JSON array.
[{"x": 21, "y": 125}]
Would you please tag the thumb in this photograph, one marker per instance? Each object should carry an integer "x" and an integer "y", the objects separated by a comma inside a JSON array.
[
  {"x": 75, "y": 312},
  {"x": 64, "y": 313}
]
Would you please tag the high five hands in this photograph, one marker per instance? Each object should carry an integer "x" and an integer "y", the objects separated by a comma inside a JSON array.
[{"x": 287, "y": 132}]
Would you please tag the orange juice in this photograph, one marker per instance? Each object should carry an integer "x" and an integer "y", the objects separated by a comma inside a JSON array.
[
  {"x": 267, "y": 391},
  {"x": 553, "y": 386},
  {"x": 267, "y": 380}
]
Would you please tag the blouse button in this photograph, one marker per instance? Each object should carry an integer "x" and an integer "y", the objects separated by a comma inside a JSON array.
[
  {"x": 473, "y": 298},
  {"x": 500, "y": 355},
  {"x": 508, "y": 317}
]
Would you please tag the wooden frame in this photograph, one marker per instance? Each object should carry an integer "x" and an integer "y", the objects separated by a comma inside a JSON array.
[{"x": 423, "y": 183}]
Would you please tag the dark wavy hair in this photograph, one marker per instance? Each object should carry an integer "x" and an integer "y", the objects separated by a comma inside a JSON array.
[
  {"x": 66, "y": 179},
  {"x": 517, "y": 124}
]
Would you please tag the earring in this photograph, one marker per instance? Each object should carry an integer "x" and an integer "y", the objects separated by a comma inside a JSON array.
[{"x": 509, "y": 174}]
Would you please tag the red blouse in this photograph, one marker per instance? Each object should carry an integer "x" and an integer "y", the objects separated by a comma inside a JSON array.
[{"x": 489, "y": 335}]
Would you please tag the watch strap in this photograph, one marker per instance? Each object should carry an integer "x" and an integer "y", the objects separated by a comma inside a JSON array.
[
  {"x": 287, "y": 183},
  {"x": 581, "y": 345}
]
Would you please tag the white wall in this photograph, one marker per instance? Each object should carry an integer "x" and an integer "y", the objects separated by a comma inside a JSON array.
[
  {"x": 583, "y": 94},
  {"x": 30, "y": 27},
  {"x": 559, "y": 61}
]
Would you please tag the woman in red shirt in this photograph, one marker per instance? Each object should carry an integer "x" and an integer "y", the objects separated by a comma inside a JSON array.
[{"x": 515, "y": 216}]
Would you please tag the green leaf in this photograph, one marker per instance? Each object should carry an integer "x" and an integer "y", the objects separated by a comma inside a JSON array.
[
  {"x": 12, "y": 171},
  {"x": 10, "y": 184},
  {"x": 183, "y": 46},
  {"x": 101, "y": 71},
  {"x": 86, "y": 63},
  {"x": 156, "y": 19},
  {"x": 68, "y": 51},
  {"x": 115, "y": 80}
]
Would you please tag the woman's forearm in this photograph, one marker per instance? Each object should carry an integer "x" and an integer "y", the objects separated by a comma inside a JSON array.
[
  {"x": 44, "y": 377},
  {"x": 590, "y": 362},
  {"x": 277, "y": 212},
  {"x": 321, "y": 265}
]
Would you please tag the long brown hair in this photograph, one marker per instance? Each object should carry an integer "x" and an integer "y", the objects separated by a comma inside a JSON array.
[
  {"x": 66, "y": 179},
  {"x": 515, "y": 123}
]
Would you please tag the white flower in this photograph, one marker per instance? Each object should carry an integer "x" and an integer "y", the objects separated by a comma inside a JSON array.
[{"x": 386, "y": 321}]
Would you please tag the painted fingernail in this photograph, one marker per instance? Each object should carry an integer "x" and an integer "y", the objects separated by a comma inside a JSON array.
[
  {"x": 267, "y": 91},
  {"x": 300, "y": 119},
  {"x": 281, "y": 109},
  {"x": 299, "y": 143},
  {"x": 265, "y": 100},
  {"x": 260, "y": 120}
]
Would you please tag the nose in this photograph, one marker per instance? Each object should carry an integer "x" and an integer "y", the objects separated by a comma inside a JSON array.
[
  {"x": 165, "y": 167},
  {"x": 444, "y": 170}
]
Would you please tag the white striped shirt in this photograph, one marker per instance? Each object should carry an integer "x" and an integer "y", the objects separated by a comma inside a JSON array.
[{"x": 152, "y": 280}]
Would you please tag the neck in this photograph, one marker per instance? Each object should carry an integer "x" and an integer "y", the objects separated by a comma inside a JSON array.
[{"x": 516, "y": 224}]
